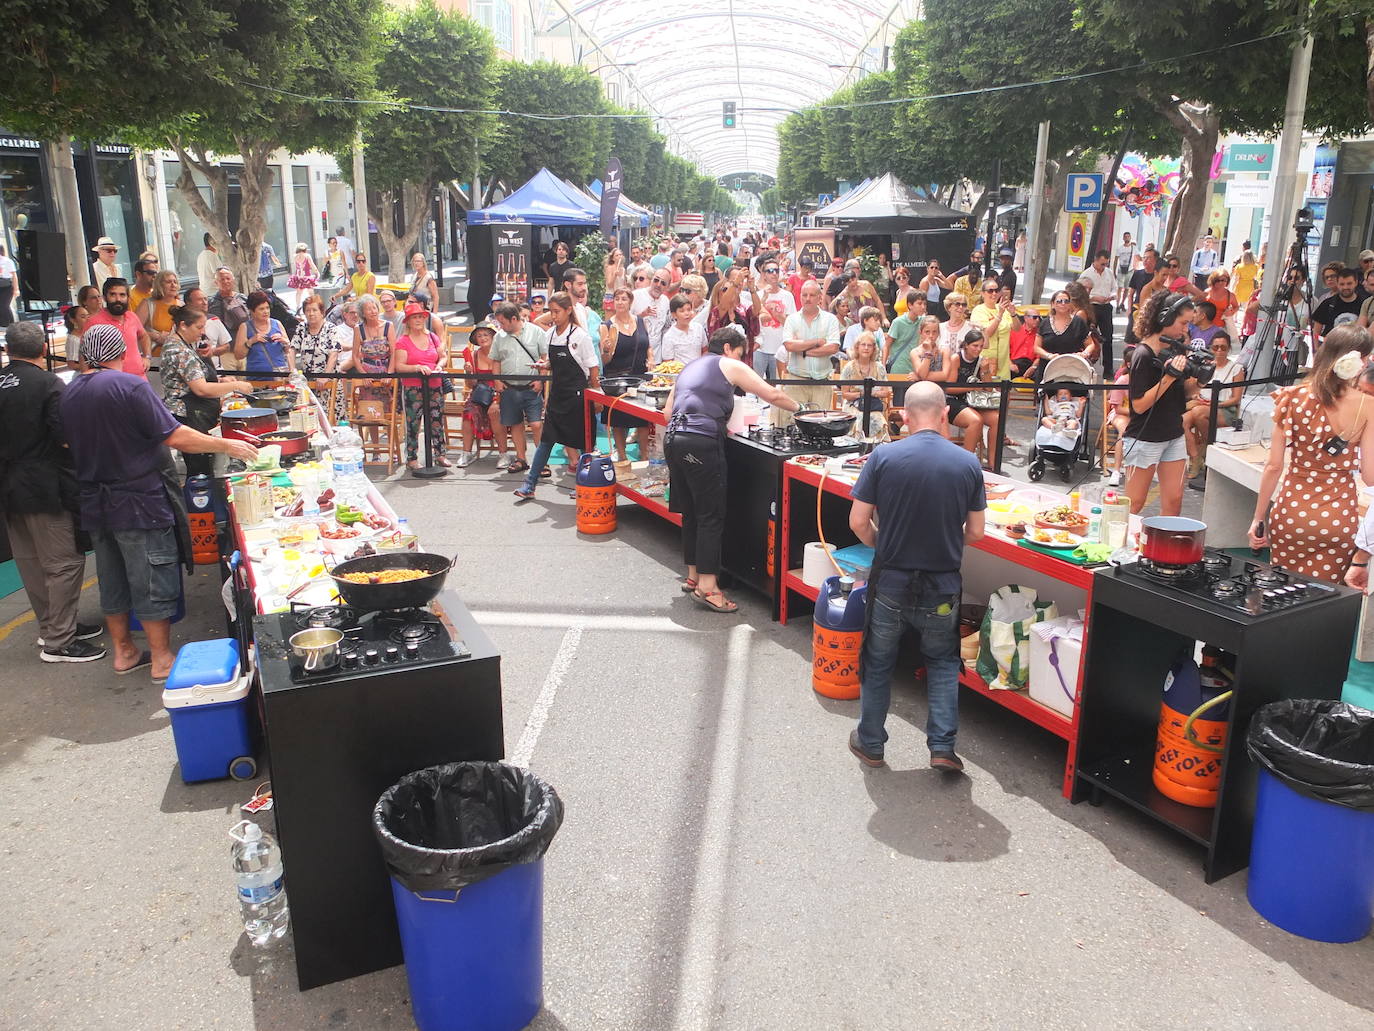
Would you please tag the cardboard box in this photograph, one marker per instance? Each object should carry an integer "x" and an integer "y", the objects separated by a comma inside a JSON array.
[{"x": 1056, "y": 657}]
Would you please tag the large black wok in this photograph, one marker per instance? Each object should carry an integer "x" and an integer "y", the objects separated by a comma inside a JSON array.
[
  {"x": 410, "y": 594},
  {"x": 821, "y": 426},
  {"x": 280, "y": 401}
]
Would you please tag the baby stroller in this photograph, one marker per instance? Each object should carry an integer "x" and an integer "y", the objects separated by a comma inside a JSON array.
[{"x": 1061, "y": 445}]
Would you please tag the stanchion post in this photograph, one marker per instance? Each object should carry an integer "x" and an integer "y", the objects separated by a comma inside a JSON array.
[
  {"x": 1003, "y": 394},
  {"x": 428, "y": 471}
]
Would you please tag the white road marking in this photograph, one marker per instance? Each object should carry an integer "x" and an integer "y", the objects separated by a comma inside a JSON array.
[
  {"x": 568, "y": 620},
  {"x": 539, "y": 715},
  {"x": 697, "y": 986}
]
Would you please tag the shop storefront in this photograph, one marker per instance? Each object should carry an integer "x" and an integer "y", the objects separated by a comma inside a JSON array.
[{"x": 25, "y": 192}]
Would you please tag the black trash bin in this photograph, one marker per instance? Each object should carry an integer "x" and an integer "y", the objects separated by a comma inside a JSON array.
[
  {"x": 1312, "y": 855},
  {"x": 465, "y": 843}
]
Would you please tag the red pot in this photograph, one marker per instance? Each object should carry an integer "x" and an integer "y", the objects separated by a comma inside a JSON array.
[
  {"x": 247, "y": 423},
  {"x": 1172, "y": 540}
]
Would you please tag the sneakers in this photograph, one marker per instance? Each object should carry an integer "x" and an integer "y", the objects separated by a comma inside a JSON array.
[
  {"x": 77, "y": 651},
  {"x": 504, "y": 461},
  {"x": 867, "y": 758},
  {"x": 1114, "y": 480},
  {"x": 947, "y": 762},
  {"x": 84, "y": 632},
  {"x": 467, "y": 458}
]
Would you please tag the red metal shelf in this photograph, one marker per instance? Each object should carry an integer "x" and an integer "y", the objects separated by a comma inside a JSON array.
[
  {"x": 792, "y": 581},
  {"x": 1022, "y": 704},
  {"x": 654, "y": 505}
]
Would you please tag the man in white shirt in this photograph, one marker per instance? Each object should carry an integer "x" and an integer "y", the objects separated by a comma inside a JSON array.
[
  {"x": 809, "y": 338},
  {"x": 9, "y": 282},
  {"x": 1101, "y": 283},
  {"x": 651, "y": 303},
  {"x": 221, "y": 341},
  {"x": 775, "y": 305},
  {"x": 207, "y": 264},
  {"x": 1124, "y": 263},
  {"x": 1204, "y": 261},
  {"x": 346, "y": 248}
]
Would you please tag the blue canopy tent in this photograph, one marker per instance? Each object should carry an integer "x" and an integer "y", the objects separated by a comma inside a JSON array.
[{"x": 504, "y": 250}]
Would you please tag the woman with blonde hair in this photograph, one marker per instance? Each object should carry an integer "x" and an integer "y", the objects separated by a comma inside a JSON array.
[
  {"x": 156, "y": 310},
  {"x": 1324, "y": 428},
  {"x": 422, "y": 280},
  {"x": 1246, "y": 270},
  {"x": 613, "y": 269},
  {"x": 864, "y": 363}
]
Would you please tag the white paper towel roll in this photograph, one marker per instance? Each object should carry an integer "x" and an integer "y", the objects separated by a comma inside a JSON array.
[{"x": 816, "y": 564}]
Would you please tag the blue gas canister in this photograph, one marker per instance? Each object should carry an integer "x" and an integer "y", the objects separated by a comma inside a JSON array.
[
  {"x": 837, "y": 637},
  {"x": 595, "y": 470}
]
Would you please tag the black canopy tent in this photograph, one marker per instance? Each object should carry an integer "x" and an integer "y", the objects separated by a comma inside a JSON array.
[{"x": 913, "y": 227}]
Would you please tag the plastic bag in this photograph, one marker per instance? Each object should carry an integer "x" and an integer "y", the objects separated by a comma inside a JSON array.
[
  {"x": 1321, "y": 749},
  {"x": 449, "y": 826},
  {"x": 1004, "y": 648}
]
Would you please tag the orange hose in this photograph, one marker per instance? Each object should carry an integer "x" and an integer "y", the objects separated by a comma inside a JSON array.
[{"x": 820, "y": 493}]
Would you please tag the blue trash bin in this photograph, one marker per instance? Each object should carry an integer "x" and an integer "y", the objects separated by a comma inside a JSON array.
[
  {"x": 464, "y": 844},
  {"x": 1311, "y": 864},
  {"x": 1312, "y": 850},
  {"x": 475, "y": 957}
]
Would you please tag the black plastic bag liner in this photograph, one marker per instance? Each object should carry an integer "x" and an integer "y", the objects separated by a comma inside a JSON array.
[
  {"x": 449, "y": 826},
  {"x": 1321, "y": 749}
]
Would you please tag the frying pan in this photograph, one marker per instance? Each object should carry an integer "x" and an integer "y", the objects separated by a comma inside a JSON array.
[
  {"x": 291, "y": 442},
  {"x": 409, "y": 594},
  {"x": 824, "y": 425},
  {"x": 280, "y": 401}
]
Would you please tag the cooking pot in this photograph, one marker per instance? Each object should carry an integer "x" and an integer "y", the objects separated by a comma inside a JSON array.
[
  {"x": 280, "y": 401},
  {"x": 317, "y": 647},
  {"x": 824, "y": 425},
  {"x": 291, "y": 442},
  {"x": 408, "y": 594},
  {"x": 1172, "y": 540},
  {"x": 614, "y": 386},
  {"x": 247, "y": 423}
]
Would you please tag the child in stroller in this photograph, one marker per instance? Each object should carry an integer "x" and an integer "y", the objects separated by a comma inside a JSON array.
[{"x": 1063, "y": 410}]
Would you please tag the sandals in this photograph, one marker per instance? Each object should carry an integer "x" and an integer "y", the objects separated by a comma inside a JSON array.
[
  {"x": 523, "y": 494},
  {"x": 688, "y": 584},
  {"x": 518, "y": 467},
  {"x": 145, "y": 658},
  {"x": 723, "y": 605}
]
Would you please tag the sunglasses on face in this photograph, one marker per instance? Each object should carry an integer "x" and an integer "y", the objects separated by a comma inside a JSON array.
[
  {"x": 989, "y": 289},
  {"x": 1061, "y": 300},
  {"x": 1172, "y": 264},
  {"x": 770, "y": 272},
  {"x": 956, "y": 304}
]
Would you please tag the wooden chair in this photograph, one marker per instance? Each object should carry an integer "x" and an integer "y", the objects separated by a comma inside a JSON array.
[
  {"x": 455, "y": 403},
  {"x": 1107, "y": 434},
  {"x": 382, "y": 412}
]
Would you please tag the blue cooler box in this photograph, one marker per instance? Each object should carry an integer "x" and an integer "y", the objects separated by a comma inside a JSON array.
[{"x": 207, "y": 698}]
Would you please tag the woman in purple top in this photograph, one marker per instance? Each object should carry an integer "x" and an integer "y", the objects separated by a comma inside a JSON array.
[{"x": 700, "y": 405}]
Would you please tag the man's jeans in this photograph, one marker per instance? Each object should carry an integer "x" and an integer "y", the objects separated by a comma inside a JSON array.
[{"x": 892, "y": 613}]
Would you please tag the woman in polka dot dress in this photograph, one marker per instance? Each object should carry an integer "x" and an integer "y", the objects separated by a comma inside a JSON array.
[{"x": 1326, "y": 426}]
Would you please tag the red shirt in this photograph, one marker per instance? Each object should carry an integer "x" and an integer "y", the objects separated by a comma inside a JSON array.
[
  {"x": 129, "y": 327},
  {"x": 1023, "y": 342},
  {"x": 794, "y": 283}
]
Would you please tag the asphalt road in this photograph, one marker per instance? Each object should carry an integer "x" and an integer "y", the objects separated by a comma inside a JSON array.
[{"x": 725, "y": 862}]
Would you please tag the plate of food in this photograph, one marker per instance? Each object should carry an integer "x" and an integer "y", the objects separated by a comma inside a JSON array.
[
  {"x": 1062, "y": 518},
  {"x": 997, "y": 491},
  {"x": 1055, "y": 539}
]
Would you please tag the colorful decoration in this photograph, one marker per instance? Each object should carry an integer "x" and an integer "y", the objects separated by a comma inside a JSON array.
[{"x": 1143, "y": 186}]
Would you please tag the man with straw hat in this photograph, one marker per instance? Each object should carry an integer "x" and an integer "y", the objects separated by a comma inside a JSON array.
[{"x": 104, "y": 266}]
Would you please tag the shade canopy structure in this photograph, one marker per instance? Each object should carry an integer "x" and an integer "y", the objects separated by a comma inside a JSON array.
[
  {"x": 680, "y": 63},
  {"x": 887, "y": 205},
  {"x": 627, "y": 212},
  {"x": 545, "y": 200}
]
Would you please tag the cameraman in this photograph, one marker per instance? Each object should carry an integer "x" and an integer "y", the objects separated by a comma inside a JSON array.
[{"x": 1160, "y": 386}]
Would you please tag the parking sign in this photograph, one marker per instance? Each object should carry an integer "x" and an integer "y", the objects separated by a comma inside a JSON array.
[{"x": 1084, "y": 191}]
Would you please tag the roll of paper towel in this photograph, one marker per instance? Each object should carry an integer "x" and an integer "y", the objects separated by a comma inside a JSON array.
[{"x": 816, "y": 564}]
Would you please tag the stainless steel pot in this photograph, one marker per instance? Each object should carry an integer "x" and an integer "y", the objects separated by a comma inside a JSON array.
[{"x": 317, "y": 647}]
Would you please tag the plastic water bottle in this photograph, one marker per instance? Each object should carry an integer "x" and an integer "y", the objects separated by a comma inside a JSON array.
[
  {"x": 257, "y": 869},
  {"x": 346, "y": 459},
  {"x": 658, "y": 465}
]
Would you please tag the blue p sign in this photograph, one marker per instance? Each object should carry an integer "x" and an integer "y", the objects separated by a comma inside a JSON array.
[{"x": 1084, "y": 192}]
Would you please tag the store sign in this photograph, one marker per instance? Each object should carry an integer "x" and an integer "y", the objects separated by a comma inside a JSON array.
[
  {"x": 610, "y": 195},
  {"x": 1251, "y": 194},
  {"x": 511, "y": 244},
  {"x": 114, "y": 149},
  {"x": 19, "y": 143},
  {"x": 816, "y": 244},
  {"x": 1250, "y": 157}
]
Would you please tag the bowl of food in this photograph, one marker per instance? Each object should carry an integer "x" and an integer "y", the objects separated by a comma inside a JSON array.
[
  {"x": 1062, "y": 518},
  {"x": 1016, "y": 530}
]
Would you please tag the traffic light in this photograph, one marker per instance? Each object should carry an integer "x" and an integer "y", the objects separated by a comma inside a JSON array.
[
  {"x": 737, "y": 184},
  {"x": 727, "y": 114}
]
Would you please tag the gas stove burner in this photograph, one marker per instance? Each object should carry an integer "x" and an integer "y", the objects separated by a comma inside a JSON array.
[
  {"x": 339, "y": 617},
  {"x": 1267, "y": 578},
  {"x": 1216, "y": 564},
  {"x": 414, "y": 632},
  {"x": 1227, "y": 590},
  {"x": 1171, "y": 574}
]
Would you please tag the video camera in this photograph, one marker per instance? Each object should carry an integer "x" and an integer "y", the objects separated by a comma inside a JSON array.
[{"x": 1199, "y": 365}]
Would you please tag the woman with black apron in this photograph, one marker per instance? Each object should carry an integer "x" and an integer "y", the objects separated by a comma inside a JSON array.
[
  {"x": 190, "y": 382},
  {"x": 571, "y": 364},
  {"x": 701, "y": 403}
]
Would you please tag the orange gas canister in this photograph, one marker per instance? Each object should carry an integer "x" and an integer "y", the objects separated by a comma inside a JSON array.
[
  {"x": 836, "y": 638},
  {"x": 1188, "y": 748},
  {"x": 595, "y": 494}
]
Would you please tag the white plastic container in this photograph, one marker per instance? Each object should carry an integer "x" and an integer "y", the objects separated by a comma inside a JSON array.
[{"x": 1056, "y": 657}]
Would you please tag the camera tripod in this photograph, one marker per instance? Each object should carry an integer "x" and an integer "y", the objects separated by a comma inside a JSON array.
[{"x": 1286, "y": 357}]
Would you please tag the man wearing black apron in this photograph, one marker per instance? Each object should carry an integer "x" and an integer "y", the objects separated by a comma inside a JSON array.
[
  {"x": 918, "y": 501},
  {"x": 571, "y": 365}
]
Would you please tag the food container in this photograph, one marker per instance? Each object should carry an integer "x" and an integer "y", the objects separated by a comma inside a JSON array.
[
  {"x": 247, "y": 423},
  {"x": 615, "y": 386},
  {"x": 342, "y": 540},
  {"x": 1172, "y": 540},
  {"x": 317, "y": 648}
]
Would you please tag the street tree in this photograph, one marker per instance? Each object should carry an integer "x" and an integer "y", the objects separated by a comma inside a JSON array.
[
  {"x": 571, "y": 139},
  {"x": 409, "y": 152}
]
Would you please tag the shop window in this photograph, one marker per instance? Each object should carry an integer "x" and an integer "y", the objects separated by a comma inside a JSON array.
[
  {"x": 119, "y": 207},
  {"x": 21, "y": 193},
  {"x": 497, "y": 16},
  {"x": 300, "y": 194}
]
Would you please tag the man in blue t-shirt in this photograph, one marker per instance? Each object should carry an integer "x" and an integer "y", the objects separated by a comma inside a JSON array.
[{"x": 917, "y": 503}]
